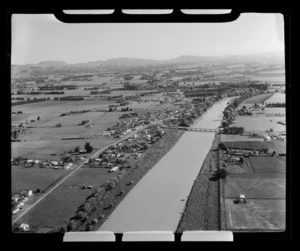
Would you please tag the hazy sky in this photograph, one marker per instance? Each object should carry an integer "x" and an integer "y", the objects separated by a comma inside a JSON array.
[{"x": 38, "y": 38}]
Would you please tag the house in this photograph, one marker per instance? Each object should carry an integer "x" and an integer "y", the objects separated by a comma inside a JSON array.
[
  {"x": 29, "y": 161},
  {"x": 21, "y": 204},
  {"x": 68, "y": 166},
  {"x": 24, "y": 226},
  {"x": 14, "y": 199},
  {"x": 105, "y": 133}
]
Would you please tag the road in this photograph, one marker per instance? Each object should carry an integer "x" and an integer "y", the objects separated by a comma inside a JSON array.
[
  {"x": 76, "y": 169},
  {"x": 67, "y": 176}
]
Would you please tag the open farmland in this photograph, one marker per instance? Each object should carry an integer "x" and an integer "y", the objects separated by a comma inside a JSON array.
[
  {"x": 255, "y": 186},
  {"x": 43, "y": 148},
  {"x": 269, "y": 165},
  {"x": 277, "y": 98},
  {"x": 56, "y": 209},
  {"x": 258, "y": 99},
  {"x": 271, "y": 79},
  {"x": 256, "y": 215},
  {"x": 31, "y": 178},
  {"x": 275, "y": 145},
  {"x": 235, "y": 138},
  {"x": 260, "y": 123}
]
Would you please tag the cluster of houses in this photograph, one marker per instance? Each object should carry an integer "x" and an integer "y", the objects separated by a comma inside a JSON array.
[
  {"x": 120, "y": 154},
  {"x": 41, "y": 164},
  {"x": 18, "y": 200}
]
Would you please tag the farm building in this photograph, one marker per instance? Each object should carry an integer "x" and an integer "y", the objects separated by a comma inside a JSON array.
[{"x": 24, "y": 226}]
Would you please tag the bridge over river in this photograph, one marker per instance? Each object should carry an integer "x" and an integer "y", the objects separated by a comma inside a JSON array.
[
  {"x": 157, "y": 201},
  {"x": 192, "y": 129}
]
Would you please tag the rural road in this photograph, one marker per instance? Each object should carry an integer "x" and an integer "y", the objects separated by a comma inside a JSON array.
[
  {"x": 75, "y": 170},
  {"x": 66, "y": 177}
]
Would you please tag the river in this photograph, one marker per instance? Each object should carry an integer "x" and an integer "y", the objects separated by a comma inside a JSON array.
[{"x": 157, "y": 201}]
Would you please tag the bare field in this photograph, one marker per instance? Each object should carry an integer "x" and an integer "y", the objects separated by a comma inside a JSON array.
[
  {"x": 259, "y": 187},
  {"x": 260, "y": 123},
  {"x": 257, "y": 214},
  {"x": 277, "y": 98}
]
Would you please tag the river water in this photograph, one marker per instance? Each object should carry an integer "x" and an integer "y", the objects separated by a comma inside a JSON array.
[{"x": 158, "y": 199}]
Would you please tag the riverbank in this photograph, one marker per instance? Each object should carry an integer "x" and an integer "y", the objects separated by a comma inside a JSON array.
[
  {"x": 133, "y": 175},
  {"x": 202, "y": 211},
  {"x": 158, "y": 201}
]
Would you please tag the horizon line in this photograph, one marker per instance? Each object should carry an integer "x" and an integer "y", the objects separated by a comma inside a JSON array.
[{"x": 183, "y": 55}]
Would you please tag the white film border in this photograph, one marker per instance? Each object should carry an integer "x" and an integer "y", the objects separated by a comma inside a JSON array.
[{"x": 149, "y": 236}]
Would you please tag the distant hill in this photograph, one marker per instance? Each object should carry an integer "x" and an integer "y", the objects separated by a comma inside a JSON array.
[
  {"x": 123, "y": 64},
  {"x": 52, "y": 63}
]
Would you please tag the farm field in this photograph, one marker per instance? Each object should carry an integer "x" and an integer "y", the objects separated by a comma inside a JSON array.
[
  {"x": 240, "y": 169},
  {"x": 260, "y": 123},
  {"x": 277, "y": 98},
  {"x": 197, "y": 83},
  {"x": 274, "y": 110},
  {"x": 234, "y": 138},
  {"x": 274, "y": 145},
  {"x": 62, "y": 203},
  {"x": 46, "y": 110},
  {"x": 258, "y": 99},
  {"x": 269, "y": 165},
  {"x": 42, "y": 149},
  {"x": 255, "y": 186},
  {"x": 256, "y": 215},
  {"x": 25, "y": 178}
]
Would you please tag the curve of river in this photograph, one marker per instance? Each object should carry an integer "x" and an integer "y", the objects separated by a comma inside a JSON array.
[{"x": 158, "y": 199}]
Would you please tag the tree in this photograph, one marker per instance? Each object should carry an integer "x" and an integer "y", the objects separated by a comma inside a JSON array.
[
  {"x": 38, "y": 118},
  {"x": 77, "y": 149},
  {"x": 225, "y": 123},
  {"x": 15, "y": 134},
  {"x": 80, "y": 215},
  {"x": 227, "y": 114},
  {"x": 63, "y": 229},
  {"x": 111, "y": 185},
  {"x": 222, "y": 146},
  {"x": 88, "y": 147},
  {"x": 71, "y": 225}
]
